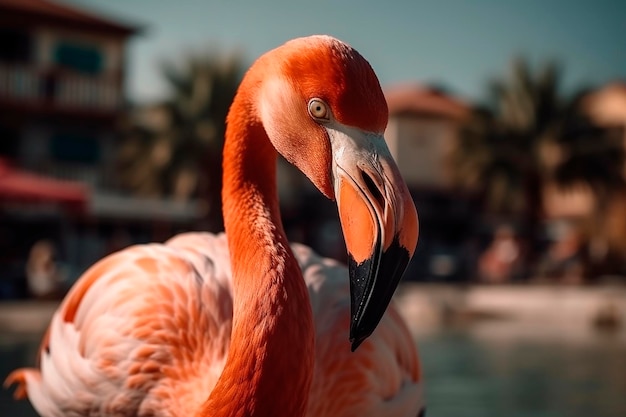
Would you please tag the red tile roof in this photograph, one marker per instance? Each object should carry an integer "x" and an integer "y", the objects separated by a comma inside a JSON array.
[
  {"x": 422, "y": 100},
  {"x": 607, "y": 104},
  {"x": 53, "y": 12}
]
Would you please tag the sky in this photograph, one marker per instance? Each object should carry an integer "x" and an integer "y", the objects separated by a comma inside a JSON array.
[{"x": 461, "y": 44}]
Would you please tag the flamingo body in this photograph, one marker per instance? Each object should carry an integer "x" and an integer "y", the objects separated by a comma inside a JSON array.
[
  {"x": 163, "y": 316},
  {"x": 249, "y": 325}
]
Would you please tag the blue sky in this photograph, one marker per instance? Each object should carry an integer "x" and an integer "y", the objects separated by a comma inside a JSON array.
[{"x": 459, "y": 43}]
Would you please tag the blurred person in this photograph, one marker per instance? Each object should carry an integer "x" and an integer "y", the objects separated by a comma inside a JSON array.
[
  {"x": 501, "y": 261},
  {"x": 43, "y": 275}
]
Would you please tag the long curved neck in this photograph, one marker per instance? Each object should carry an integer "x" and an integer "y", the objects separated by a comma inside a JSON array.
[{"x": 270, "y": 362}]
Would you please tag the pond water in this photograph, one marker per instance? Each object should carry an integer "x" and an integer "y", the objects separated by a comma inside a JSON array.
[{"x": 470, "y": 376}]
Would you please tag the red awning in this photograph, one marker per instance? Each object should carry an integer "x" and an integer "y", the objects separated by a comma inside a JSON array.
[{"x": 21, "y": 186}]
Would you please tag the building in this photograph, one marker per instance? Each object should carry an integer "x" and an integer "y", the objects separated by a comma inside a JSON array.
[
  {"x": 61, "y": 88},
  {"x": 586, "y": 208},
  {"x": 605, "y": 107},
  {"x": 425, "y": 125},
  {"x": 62, "y": 96}
]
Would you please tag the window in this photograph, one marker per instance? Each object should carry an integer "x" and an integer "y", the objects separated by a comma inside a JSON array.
[
  {"x": 74, "y": 148},
  {"x": 8, "y": 142},
  {"x": 15, "y": 45},
  {"x": 79, "y": 57}
]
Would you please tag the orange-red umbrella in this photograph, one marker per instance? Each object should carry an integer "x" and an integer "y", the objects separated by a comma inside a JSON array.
[{"x": 22, "y": 186}]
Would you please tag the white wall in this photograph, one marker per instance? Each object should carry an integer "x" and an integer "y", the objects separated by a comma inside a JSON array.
[{"x": 421, "y": 147}]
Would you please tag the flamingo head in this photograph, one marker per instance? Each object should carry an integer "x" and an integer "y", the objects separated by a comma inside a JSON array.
[{"x": 323, "y": 109}]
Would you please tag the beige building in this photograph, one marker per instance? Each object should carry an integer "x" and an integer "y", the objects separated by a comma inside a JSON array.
[
  {"x": 607, "y": 107},
  {"x": 601, "y": 222},
  {"x": 424, "y": 126}
]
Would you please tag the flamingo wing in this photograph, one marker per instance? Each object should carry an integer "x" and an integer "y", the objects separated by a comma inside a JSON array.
[
  {"x": 382, "y": 377},
  {"x": 143, "y": 332}
]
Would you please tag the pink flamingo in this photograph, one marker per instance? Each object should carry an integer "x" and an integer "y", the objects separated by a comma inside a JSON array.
[{"x": 225, "y": 325}]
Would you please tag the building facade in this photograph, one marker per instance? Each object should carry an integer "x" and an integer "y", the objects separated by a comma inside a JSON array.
[
  {"x": 425, "y": 125},
  {"x": 62, "y": 100},
  {"x": 61, "y": 88}
]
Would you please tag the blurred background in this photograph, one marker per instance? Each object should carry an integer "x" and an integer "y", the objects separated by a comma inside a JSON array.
[{"x": 507, "y": 121}]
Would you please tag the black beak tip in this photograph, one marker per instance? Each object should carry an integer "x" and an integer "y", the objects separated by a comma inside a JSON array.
[
  {"x": 372, "y": 284},
  {"x": 355, "y": 343}
]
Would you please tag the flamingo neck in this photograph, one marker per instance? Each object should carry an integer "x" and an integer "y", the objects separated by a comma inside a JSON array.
[{"x": 270, "y": 362}]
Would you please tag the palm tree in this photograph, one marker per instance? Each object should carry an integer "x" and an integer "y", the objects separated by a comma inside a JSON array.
[
  {"x": 528, "y": 135},
  {"x": 525, "y": 108},
  {"x": 589, "y": 153},
  {"x": 500, "y": 155},
  {"x": 174, "y": 148},
  {"x": 594, "y": 156}
]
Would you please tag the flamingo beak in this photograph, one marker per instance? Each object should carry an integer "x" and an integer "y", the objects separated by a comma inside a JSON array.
[{"x": 379, "y": 223}]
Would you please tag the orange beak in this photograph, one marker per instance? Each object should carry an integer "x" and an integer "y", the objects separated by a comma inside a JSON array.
[{"x": 379, "y": 223}]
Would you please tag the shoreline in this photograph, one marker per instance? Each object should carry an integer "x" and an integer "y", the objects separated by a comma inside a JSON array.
[{"x": 552, "y": 311}]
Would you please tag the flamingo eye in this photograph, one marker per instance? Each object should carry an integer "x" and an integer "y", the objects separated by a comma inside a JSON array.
[{"x": 318, "y": 110}]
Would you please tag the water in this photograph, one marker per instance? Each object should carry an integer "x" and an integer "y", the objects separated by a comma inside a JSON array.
[
  {"x": 469, "y": 375},
  {"x": 473, "y": 376},
  {"x": 16, "y": 351}
]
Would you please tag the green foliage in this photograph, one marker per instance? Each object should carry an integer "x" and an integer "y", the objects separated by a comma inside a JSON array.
[
  {"x": 174, "y": 148},
  {"x": 529, "y": 133}
]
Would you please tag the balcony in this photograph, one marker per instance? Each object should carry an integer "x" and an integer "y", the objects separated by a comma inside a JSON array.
[
  {"x": 39, "y": 89},
  {"x": 91, "y": 175}
]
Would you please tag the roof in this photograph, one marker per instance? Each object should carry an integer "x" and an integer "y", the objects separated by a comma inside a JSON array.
[
  {"x": 19, "y": 11},
  {"x": 607, "y": 105},
  {"x": 422, "y": 100}
]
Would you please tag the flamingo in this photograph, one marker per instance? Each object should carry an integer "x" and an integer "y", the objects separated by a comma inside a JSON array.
[{"x": 242, "y": 323}]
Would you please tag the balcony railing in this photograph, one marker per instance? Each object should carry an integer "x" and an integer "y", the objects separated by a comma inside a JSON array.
[
  {"x": 90, "y": 175},
  {"x": 58, "y": 89}
]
